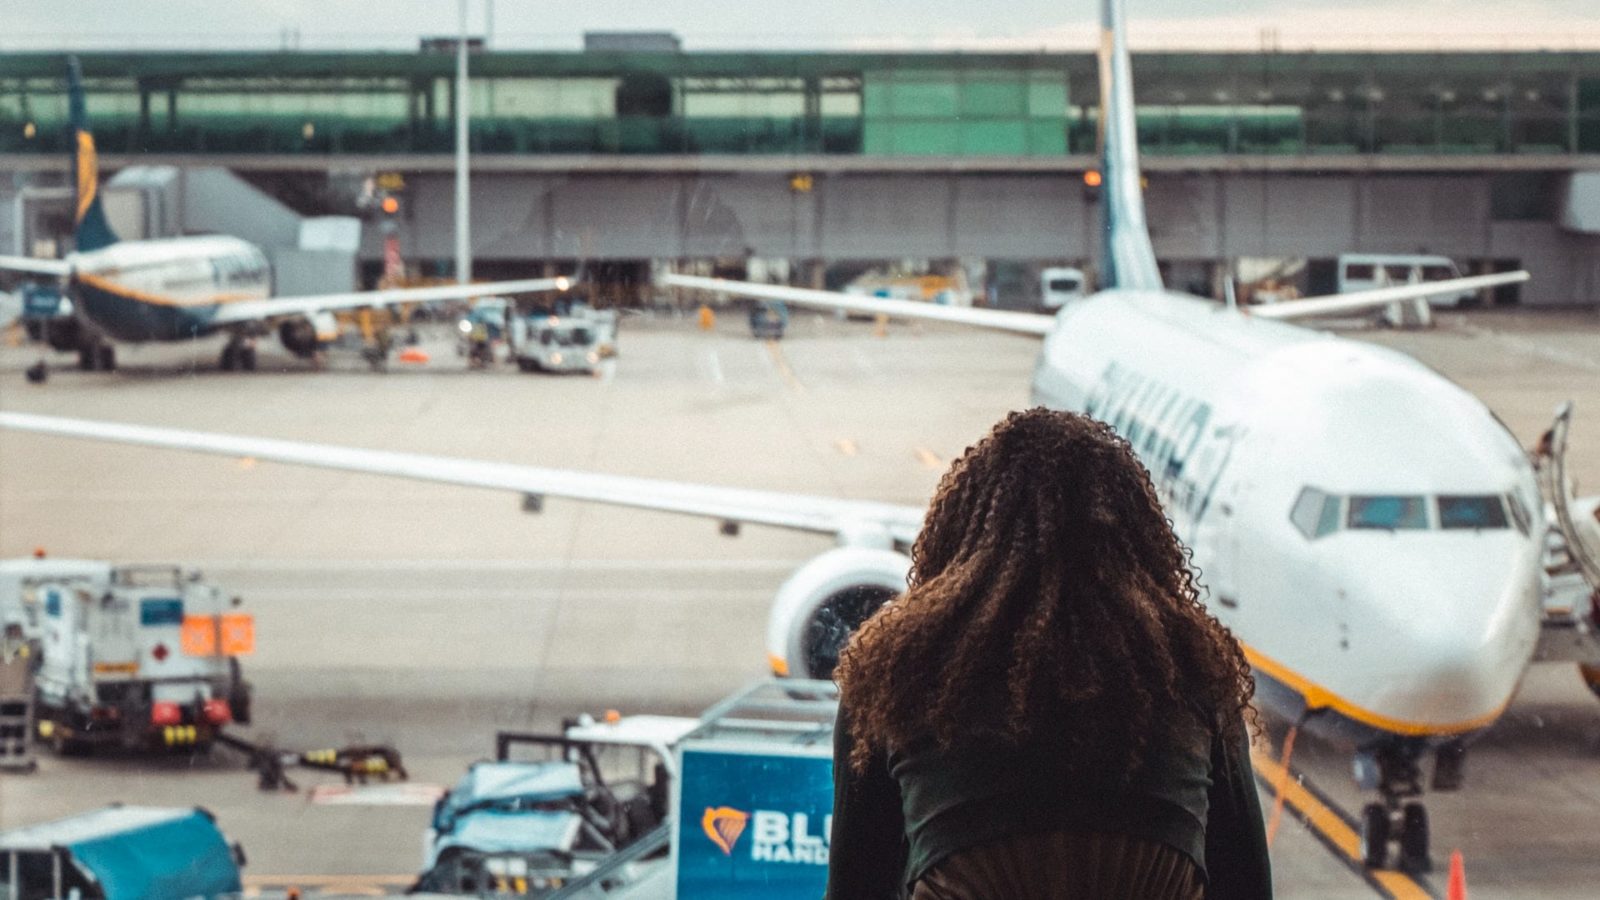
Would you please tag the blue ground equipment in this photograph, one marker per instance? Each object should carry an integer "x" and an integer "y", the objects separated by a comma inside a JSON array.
[
  {"x": 755, "y": 797},
  {"x": 120, "y": 853}
]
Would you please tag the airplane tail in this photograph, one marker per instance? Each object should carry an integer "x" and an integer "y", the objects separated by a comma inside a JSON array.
[
  {"x": 1127, "y": 258},
  {"x": 89, "y": 217}
]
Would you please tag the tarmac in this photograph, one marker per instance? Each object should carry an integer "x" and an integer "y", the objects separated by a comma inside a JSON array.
[{"x": 430, "y": 616}]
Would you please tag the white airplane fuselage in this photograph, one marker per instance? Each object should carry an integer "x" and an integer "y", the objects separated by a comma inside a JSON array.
[
  {"x": 1416, "y": 632},
  {"x": 167, "y": 289}
]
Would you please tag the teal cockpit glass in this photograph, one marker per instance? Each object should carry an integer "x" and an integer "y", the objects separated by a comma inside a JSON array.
[
  {"x": 1390, "y": 513},
  {"x": 1475, "y": 511}
]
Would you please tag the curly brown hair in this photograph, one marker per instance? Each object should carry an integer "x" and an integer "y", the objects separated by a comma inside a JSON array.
[{"x": 1046, "y": 587}]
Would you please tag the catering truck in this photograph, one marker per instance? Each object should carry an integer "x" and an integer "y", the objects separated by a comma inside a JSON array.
[
  {"x": 120, "y": 853},
  {"x": 134, "y": 656}
]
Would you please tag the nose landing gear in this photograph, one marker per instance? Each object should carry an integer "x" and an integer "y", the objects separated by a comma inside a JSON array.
[{"x": 1398, "y": 818}]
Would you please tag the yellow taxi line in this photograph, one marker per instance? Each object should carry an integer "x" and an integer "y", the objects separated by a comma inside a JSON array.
[
  {"x": 782, "y": 362},
  {"x": 1325, "y": 821}
]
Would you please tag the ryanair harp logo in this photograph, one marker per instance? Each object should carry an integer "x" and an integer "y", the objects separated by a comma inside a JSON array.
[
  {"x": 88, "y": 173},
  {"x": 723, "y": 825}
]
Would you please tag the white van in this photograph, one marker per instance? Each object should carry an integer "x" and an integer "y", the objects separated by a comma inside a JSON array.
[
  {"x": 1057, "y": 286},
  {"x": 1364, "y": 271}
]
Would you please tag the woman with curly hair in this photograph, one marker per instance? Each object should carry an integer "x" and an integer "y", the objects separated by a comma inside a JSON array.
[{"x": 1049, "y": 711}]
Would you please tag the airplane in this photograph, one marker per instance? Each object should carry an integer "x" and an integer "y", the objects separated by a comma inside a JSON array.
[
  {"x": 177, "y": 289},
  {"x": 1367, "y": 529}
]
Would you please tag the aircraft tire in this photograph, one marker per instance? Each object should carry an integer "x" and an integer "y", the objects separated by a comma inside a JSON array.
[
  {"x": 247, "y": 359},
  {"x": 38, "y": 373},
  {"x": 86, "y": 359},
  {"x": 105, "y": 358},
  {"x": 1414, "y": 839},
  {"x": 230, "y": 358},
  {"x": 1374, "y": 836}
]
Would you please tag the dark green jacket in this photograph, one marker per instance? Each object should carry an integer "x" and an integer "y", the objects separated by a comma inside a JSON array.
[{"x": 910, "y": 810}]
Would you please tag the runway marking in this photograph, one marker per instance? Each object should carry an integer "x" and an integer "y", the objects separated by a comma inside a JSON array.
[
  {"x": 714, "y": 366},
  {"x": 498, "y": 565},
  {"x": 343, "y": 885},
  {"x": 782, "y": 362},
  {"x": 410, "y": 793},
  {"x": 846, "y": 446},
  {"x": 1333, "y": 828},
  {"x": 1531, "y": 347},
  {"x": 929, "y": 459},
  {"x": 862, "y": 362}
]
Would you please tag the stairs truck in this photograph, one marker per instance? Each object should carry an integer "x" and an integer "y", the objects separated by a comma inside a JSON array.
[{"x": 141, "y": 657}]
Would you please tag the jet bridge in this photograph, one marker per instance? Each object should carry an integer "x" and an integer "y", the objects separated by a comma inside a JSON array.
[{"x": 1571, "y": 629}]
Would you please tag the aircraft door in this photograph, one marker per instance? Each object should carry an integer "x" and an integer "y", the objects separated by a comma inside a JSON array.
[{"x": 1226, "y": 580}]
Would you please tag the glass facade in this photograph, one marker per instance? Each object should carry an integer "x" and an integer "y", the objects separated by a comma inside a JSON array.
[{"x": 957, "y": 105}]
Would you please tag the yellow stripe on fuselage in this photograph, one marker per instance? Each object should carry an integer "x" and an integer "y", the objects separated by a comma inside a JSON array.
[
  {"x": 1318, "y": 697},
  {"x": 111, "y": 287}
]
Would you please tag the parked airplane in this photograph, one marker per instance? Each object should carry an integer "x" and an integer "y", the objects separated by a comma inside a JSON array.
[
  {"x": 1366, "y": 528},
  {"x": 176, "y": 289}
]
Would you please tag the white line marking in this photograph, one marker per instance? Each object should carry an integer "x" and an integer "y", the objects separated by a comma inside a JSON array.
[
  {"x": 494, "y": 565},
  {"x": 714, "y": 366}
]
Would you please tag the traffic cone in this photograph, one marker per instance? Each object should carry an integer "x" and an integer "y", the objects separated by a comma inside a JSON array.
[{"x": 1457, "y": 889}]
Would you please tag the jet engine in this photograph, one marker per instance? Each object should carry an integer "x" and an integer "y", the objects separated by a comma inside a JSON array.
[
  {"x": 824, "y": 602},
  {"x": 306, "y": 335}
]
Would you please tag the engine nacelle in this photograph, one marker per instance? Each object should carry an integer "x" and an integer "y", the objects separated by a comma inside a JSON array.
[
  {"x": 305, "y": 336},
  {"x": 823, "y": 602}
]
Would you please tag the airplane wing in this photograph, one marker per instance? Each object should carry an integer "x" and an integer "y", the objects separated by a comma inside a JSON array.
[
  {"x": 797, "y": 512},
  {"x": 1359, "y": 301},
  {"x": 279, "y": 307},
  {"x": 56, "y": 268},
  {"x": 998, "y": 319}
]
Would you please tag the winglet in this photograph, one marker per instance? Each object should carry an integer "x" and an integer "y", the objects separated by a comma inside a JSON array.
[
  {"x": 1127, "y": 259},
  {"x": 89, "y": 217}
]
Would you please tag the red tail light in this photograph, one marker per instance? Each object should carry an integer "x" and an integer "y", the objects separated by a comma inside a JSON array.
[
  {"x": 165, "y": 714},
  {"x": 216, "y": 711}
]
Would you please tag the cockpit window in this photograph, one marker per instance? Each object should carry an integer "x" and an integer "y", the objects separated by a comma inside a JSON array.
[
  {"x": 1474, "y": 511},
  {"x": 1315, "y": 513},
  {"x": 1390, "y": 513}
]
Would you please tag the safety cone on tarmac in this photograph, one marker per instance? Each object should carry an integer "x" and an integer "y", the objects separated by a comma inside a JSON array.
[{"x": 1457, "y": 888}]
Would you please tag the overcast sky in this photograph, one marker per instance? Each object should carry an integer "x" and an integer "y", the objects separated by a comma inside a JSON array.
[{"x": 800, "y": 24}]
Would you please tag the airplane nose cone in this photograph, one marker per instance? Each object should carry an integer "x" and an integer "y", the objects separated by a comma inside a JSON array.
[{"x": 1446, "y": 643}]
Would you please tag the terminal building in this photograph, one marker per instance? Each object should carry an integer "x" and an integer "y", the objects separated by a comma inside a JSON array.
[{"x": 633, "y": 151}]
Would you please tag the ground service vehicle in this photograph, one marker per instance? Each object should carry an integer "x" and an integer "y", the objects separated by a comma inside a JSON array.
[
  {"x": 1059, "y": 286},
  {"x": 483, "y": 327},
  {"x": 555, "y": 343},
  {"x": 529, "y": 825},
  {"x": 120, "y": 853},
  {"x": 768, "y": 319},
  {"x": 142, "y": 657},
  {"x": 1365, "y": 271},
  {"x": 753, "y": 802}
]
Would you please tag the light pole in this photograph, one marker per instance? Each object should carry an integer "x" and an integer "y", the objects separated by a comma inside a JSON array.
[{"x": 463, "y": 235}]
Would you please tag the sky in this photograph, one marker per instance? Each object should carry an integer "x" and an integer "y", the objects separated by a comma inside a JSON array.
[{"x": 1056, "y": 25}]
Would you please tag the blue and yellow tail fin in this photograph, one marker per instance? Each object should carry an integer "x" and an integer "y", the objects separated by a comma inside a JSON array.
[
  {"x": 89, "y": 217},
  {"x": 1127, "y": 259}
]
